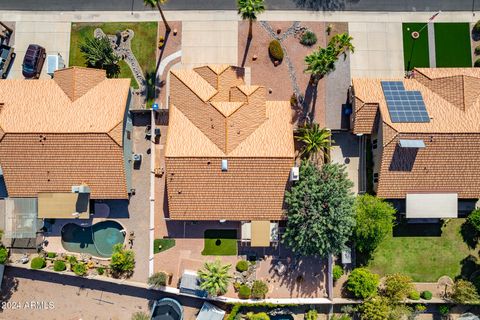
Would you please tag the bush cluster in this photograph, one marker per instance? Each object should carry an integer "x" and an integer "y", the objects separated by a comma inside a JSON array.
[
  {"x": 337, "y": 272},
  {"x": 51, "y": 255},
  {"x": 476, "y": 27},
  {"x": 242, "y": 266},
  {"x": 414, "y": 295},
  {"x": 259, "y": 289},
  {"x": 275, "y": 50},
  {"x": 311, "y": 314},
  {"x": 80, "y": 269},
  {"x": 59, "y": 265},
  {"x": 362, "y": 283},
  {"x": 38, "y": 263},
  {"x": 477, "y": 50},
  {"x": 158, "y": 279},
  {"x": 308, "y": 38},
  {"x": 100, "y": 270},
  {"x": 3, "y": 255},
  {"x": 477, "y": 63}
]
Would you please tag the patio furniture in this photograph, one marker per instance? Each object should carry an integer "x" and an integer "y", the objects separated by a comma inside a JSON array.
[{"x": 280, "y": 268}]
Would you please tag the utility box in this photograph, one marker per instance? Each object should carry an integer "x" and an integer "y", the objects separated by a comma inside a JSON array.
[{"x": 54, "y": 62}]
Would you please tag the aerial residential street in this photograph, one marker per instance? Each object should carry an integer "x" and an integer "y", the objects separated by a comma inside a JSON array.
[{"x": 343, "y": 5}]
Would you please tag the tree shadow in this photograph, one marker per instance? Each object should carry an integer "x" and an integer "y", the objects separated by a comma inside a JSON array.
[
  {"x": 9, "y": 286},
  {"x": 469, "y": 266},
  {"x": 475, "y": 35},
  {"x": 245, "y": 53},
  {"x": 310, "y": 99},
  {"x": 325, "y": 5},
  {"x": 162, "y": 49},
  {"x": 469, "y": 234}
]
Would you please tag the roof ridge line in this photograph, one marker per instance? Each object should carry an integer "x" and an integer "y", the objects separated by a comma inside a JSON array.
[{"x": 208, "y": 100}]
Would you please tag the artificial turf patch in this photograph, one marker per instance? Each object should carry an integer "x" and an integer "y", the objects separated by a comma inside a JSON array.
[
  {"x": 165, "y": 243},
  {"x": 220, "y": 242},
  {"x": 452, "y": 45},
  {"x": 415, "y": 51}
]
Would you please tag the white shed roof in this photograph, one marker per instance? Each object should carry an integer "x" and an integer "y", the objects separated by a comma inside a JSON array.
[{"x": 432, "y": 205}]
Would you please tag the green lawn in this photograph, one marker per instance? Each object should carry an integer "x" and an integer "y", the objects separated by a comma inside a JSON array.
[
  {"x": 165, "y": 243},
  {"x": 452, "y": 45},
  {"x": 415, "y": 52},
  {"x": 424, "y": 258},
  {"x": 220, "y": 242},
  {"x": 143, "y": 44}
]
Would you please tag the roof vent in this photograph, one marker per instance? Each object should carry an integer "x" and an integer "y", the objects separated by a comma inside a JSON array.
[
  {"x": 294, "y": 174},
  {"x": 224, "y": 165}
]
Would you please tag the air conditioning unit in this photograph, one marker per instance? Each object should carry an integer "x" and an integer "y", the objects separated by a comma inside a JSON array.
[
  {"x": 294, "y": 174},
  {"x": 137, "y": 157}
]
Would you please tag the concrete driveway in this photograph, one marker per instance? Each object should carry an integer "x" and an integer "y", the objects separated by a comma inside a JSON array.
[
  {"x": 53, "y": 36},
  {"x": 346, "y": 150}
]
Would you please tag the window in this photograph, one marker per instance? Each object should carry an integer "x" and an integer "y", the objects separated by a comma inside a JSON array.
[{"x": 374, "y": 144}]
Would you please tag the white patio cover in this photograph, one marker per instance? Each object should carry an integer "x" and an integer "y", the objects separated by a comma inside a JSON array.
[{"x": 432, "y": 205}]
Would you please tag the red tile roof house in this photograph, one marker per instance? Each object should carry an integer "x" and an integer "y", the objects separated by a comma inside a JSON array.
[
  {"x": 62, "y": 137},
  {"x": 425, "y": 134},
  {"x": 229, "y": 151}
]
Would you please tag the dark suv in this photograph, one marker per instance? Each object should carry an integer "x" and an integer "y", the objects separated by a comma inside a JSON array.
[{"x": 33, "y": 61}]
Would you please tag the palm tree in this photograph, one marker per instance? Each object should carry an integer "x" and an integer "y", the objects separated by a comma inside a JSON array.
[
  {"x": 214, "y": 278},
  {"x": 315, "y": 140},
  {"x": 320, "y": 63},
  {"x": 249, "y": 9},
  {"x": 342, "y": 43},
  {"x": 98, "y": 53},
  {"x": 157, "y": 3}
]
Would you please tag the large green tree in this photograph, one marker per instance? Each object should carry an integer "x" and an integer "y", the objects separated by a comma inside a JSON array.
[
  {"x": 215, "y": 278},
  {"x": 248, "y": 10},
  {"x": 98, "y": 53},
  {"x": 315, "y": 141},
  {"x": 375, "y": 218},
  {"x": 320, "y": 214},
  {"x": 158, "y": 3}
]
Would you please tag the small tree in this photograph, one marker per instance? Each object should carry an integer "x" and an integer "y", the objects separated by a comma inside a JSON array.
[
  {"x": 248, "y": 10},
  {"x": 122, "y": 261},
  {"x": 474, "y": 219},
  {"x": 98, "y": 53},
  {"x": 319, "y": 210},
  {"x": 464, "y": 292},
  {"x": 158, "y": 279},
  {"x": 376, "y": 308},
  {"x": 214, "y": 278},
  {"x": 398, "y": 287},
  {"x": 374, "y": 221},
  {"x": 320, "y": 63},
  {"x": 362, "y": 283},
  {"x": 259, "y": 289},
  {"x": 158, "y": 3},
  {"x": 342, "y": 43},
  {"x": 315, "y": 141}
]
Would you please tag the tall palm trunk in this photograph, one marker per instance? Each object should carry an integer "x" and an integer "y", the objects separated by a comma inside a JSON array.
[
  {"x": 10, "y": 30},
  {"x": 250, "y": 26},
  {"x": 167, "y": 27}
]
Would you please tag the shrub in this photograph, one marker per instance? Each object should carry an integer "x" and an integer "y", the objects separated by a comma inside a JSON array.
[
  {"x": 476, "y": 27},
  {"x": 59, "y": 265},
  {"x": 122, "y": 261},
  {"x": 464, "y": 292},
  {"x": 80, "y": 269},
  {"x": 414, "y": 295},
  {"x": 244, "y": 292},
  {"x": 362, "y": 283},
  {"x": 3, "y": 255},
  {"x": 51, "y": 255},
  {"x": 257, "y": 316},
  {"x": 427, "y": 295},
  {"x": 477, "y": 63},
  {"x": 158, "y": 279},
  {"x": 100, "y": 270},
  {"x": 242, "y": 266},
  {"x": 140, "y": 316},
  {"x": 337, "y": 272},
  {"x": 311, "y": 314},
  {"x": 38, "y": 263},
  {"x": 72, "y": 260},
  {"x": 275, "y": 50},
  {"x": 443, "y": 310},
  {"x": 308, "y": 38},
  {"x": 398, "y": 286},
  {"x": 474, "y": 218},
  {"x": 259, "y": 289}
]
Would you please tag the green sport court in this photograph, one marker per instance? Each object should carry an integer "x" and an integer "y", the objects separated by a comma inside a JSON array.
[{"x": 452, "y": 45}]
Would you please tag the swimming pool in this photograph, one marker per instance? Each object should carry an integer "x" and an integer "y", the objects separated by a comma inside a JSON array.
[{"x": 97, "y": 240}]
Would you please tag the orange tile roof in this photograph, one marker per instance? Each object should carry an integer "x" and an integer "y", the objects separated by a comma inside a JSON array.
[
  {"x": 235, "y": 123},
  {"x": 63, "y": 132},
  {"x": 449, "y": 160}
]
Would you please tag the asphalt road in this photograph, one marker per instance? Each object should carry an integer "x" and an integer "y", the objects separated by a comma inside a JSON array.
[{"x": 345, "y": 5}]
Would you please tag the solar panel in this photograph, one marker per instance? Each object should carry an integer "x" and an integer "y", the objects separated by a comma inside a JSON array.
[{"x": 404, "y": 106}]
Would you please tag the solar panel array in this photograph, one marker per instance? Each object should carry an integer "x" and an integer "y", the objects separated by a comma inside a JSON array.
[{"x": 404, "y": 106}]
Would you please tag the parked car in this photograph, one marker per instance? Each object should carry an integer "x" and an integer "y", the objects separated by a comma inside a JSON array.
[
  {"x": 6, "y": 57},
  {"x": 33, "y": 61}
]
